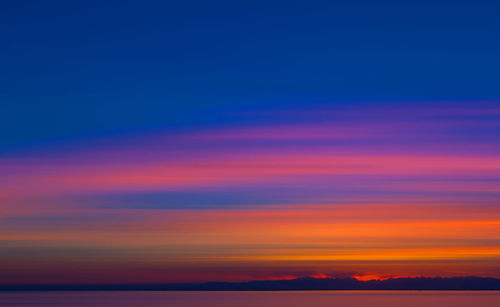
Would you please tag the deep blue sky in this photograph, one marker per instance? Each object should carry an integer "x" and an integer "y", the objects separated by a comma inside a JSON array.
[{"x": 72, "y": 69}]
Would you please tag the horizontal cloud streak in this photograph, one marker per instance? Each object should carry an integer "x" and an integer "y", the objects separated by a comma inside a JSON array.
[{"x": 407, "y": 191}]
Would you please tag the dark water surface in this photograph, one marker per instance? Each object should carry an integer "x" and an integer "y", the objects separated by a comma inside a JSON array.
[{"x": 243, "y": 299}]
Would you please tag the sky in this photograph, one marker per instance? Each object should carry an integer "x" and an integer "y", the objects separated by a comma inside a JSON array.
[{"x": 187, "y": 141}]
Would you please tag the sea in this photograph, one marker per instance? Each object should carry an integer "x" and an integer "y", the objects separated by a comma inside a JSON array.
[{"x": 252, "y": 298}]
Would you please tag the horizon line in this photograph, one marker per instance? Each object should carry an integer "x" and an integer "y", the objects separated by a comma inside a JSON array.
[{"x": 418, "y": 283}]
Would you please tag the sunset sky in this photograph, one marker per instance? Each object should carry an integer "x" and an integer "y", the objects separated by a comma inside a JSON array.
[{"x": 162, "y": 141}]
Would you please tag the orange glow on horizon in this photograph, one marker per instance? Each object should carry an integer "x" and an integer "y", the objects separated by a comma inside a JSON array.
[{"x": 381, "y": 277}]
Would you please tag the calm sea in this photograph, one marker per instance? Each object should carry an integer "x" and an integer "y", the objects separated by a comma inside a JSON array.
[{"x": 260, "y": 299}]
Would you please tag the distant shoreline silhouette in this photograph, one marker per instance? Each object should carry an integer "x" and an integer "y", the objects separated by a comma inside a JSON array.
[{"x": 298, "y": 284}]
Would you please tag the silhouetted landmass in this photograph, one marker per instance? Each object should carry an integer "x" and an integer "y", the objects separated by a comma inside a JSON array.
[{"x": 306, "y": 283}]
